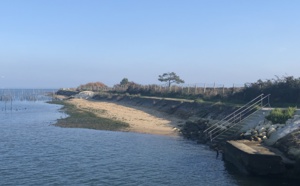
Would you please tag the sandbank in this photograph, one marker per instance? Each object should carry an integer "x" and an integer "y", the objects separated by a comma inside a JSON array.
[{"x": 140, "y": 119}]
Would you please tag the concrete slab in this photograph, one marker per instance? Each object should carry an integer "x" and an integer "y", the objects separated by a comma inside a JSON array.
[
  {"x": 251, "y": 147},
  {"x": 254, "y": 158}
]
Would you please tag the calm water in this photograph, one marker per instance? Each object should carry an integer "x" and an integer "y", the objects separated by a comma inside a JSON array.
[{"x": 34, "y": 152}]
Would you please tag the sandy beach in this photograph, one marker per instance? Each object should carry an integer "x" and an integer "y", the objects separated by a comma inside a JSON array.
[{"x": 140, "y": 119}]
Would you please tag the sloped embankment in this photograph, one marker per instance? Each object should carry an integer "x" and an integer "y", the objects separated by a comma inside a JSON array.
[{"x": 197, "y": 115}]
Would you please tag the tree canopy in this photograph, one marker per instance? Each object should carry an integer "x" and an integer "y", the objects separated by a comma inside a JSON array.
[
  {"x": 170, "y": 77},
  {"x": 284, "y": 89},
  {"x": 124, "y": 81},
  {"x": 92, "y": 86}
]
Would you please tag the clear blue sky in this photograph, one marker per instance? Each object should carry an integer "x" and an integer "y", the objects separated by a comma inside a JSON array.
[{"x": 64, "y": 43}]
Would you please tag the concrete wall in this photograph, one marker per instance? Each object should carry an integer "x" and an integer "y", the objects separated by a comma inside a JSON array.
[{"x": 249, "y": 162}]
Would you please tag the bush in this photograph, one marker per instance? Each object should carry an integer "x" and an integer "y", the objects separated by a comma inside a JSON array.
[
  {"x": 281, "y": 115},
  {"x": 93, "y": 86},
  {"x": 284, "y": 91}
]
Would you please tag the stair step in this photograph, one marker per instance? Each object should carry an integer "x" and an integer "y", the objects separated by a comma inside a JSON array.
[
  {"x": 224, "y": 137},
  {"x": 229, "y": 132},
  {"x": 232, "y": 128}
]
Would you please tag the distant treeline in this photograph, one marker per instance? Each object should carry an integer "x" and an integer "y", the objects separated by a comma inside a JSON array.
[
  {"x": 175, "y": 91},
  {"x": 284, "y": 91}
]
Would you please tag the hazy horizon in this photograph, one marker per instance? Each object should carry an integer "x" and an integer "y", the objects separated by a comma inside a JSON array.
[{"x": 60, "y": 44}]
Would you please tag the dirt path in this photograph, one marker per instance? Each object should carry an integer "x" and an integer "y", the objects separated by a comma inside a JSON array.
[{"x": 141, "y": 120}]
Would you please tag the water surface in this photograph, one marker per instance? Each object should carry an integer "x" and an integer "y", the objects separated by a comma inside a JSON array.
[{"x": 34, "y": 152}]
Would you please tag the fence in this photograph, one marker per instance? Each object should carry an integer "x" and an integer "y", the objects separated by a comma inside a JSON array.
[
  {"x": 25, "y": 94},
  {"x": 184, "y": 89}
]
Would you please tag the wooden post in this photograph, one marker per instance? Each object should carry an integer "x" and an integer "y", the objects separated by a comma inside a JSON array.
[
  {"x": 214, "y": 87},
  {"x": 204, "y": 90},
  {"x": 223, "y": 90}
]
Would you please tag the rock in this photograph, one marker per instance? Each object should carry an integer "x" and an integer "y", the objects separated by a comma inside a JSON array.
[
  {"x": 85, "y": 95},
  {"x": 262, "y": 134},
  {"x": 264, "y": 138},
  {"x": 270, "y": 131},
  {"x": 248, "y": 133},
  {"x": 254, "y": 133},
  {"x": 261, "y": 129},
  {"x": 267, "y": 125},
  {"x": 256, "y": 138}
]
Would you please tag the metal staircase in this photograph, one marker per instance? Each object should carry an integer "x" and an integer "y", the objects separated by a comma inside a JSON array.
[{"x": 228, "y": 127}]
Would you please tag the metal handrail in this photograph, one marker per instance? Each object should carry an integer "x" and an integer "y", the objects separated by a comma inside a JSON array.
[
  {"x": 233, "y": 113},
  {"x": 236, "y": 124},
  {"x": 239, "y": 112}
]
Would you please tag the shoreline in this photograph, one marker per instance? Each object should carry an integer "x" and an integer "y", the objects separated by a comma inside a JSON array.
[{"x": 138, "y": 119}]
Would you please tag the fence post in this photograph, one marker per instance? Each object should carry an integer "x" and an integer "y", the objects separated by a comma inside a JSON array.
[
  {"x": 223, "y": 90},
  {"x": 195, "y": 89},
  {"x": 204, "y": 90},
  {"x": 214, "y": 87}
]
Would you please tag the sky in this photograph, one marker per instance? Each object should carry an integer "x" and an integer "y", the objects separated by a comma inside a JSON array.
[{"x": 65, "y": 43}]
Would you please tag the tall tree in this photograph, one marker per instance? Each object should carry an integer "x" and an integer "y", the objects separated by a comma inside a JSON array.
[
  {"x": 124, "y": 81},
  {"x": 170, "y": 78}
]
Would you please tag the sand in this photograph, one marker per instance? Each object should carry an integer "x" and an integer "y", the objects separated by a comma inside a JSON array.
[{"x": 140, "y": 119}]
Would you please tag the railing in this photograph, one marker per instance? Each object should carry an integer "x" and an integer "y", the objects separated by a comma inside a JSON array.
[{"x": 237, "y": 116}]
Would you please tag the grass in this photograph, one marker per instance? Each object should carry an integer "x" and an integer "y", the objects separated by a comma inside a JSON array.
[
  {"x": 79, "y": 118},
  {"x": 281, "y": 115}
]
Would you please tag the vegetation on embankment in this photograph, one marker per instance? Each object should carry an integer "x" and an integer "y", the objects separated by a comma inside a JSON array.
[
  {"x": 67, "y": 92},
  {"x": 81, "y": 118},
  {"x": 281, "y": 115},
  {"x": 285, "y": 91}
]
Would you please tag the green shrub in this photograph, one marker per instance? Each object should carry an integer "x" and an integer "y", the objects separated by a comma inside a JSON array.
[{"x": 281, "y": 115}]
